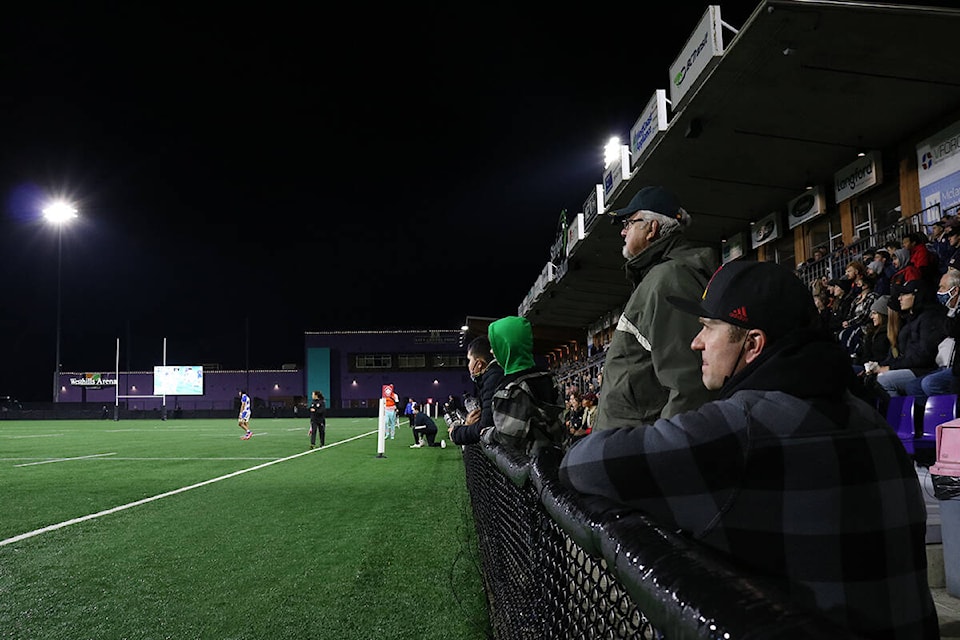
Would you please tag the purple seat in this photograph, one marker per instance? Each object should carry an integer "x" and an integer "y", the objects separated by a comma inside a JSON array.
[
  {"x": 901, "y": 416},
  {"x": 939, "y": 409}
]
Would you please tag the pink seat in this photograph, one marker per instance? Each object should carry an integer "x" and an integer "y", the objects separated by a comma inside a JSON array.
[{"x": 948, "y": 449}]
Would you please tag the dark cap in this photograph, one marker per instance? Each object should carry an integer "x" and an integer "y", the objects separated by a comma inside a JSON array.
[
  {"x": 755, "y": 295},
  {"x": 656, "y": 199},
  {"x": 911, "y": 286},
  {"x": 843, "y": 283},
  {"x": 951, "y": 227}
]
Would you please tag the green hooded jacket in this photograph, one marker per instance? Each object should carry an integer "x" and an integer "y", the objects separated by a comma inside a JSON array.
[{"x": 511, "y": 340}]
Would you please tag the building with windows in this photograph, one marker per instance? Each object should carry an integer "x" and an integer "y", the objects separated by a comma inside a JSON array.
[{"x": 351, "y": 367}]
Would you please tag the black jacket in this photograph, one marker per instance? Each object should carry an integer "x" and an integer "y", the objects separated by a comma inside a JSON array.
[{"x": 486, "y": 384}]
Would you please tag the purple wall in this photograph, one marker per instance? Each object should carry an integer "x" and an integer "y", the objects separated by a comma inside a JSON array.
[
  {"x": 350, "y": 386},
  {"x": 356, "y": 387}
]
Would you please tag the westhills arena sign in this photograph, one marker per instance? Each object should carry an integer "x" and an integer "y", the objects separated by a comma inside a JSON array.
[{"x": 93, "y": 381}]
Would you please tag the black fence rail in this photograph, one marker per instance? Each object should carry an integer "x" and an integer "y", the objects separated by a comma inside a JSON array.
[{"x": 558, "y": 565}]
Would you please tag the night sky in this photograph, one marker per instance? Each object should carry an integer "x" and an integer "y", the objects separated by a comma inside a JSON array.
[{"x": 243, "y": 177}]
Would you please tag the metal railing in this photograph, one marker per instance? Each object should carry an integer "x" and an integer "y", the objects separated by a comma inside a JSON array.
[{"x": 558, "y": 565}]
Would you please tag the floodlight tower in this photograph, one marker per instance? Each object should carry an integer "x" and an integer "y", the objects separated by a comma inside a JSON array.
[{"x": 59, "y": 214}]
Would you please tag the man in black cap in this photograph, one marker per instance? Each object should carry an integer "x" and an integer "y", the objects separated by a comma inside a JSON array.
[
  {"x": 787, "y": 473},
  {"x": 649, "y": 372}
]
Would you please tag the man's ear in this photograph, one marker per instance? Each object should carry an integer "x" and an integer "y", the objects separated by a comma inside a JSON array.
[
  {"x": 754, "y": 344},
  {"x": 654, "y": 230}
]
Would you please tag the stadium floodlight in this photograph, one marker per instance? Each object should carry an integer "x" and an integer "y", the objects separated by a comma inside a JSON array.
[
  {"x": 611, "y": 151},
  {"x": 59, "y": 214}
]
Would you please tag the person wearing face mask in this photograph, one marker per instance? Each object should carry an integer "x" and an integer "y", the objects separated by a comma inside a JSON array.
[
  {"x": 486, "y": 374},
  {"x": 944, "y": 379}
]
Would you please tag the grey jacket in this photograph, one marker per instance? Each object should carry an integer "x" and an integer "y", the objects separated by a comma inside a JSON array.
[{"x": 650, "y": 371}]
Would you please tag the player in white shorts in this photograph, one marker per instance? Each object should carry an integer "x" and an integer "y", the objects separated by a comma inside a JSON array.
[{"x": 244, "y": 419}]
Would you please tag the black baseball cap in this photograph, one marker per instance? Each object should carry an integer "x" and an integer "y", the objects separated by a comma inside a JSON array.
[
  {"x": 656, "y": 199},
  {"x": 755, "y": 295}
]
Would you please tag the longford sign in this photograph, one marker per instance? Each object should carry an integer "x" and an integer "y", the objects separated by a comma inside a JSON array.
[{"x": 858, "y": 176}]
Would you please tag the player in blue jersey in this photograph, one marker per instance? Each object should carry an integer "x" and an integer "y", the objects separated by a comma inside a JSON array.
[{"x": 244, "y": 420}]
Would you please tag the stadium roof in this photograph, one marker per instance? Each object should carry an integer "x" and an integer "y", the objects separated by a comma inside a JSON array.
[{"x": 800, "y": 90}]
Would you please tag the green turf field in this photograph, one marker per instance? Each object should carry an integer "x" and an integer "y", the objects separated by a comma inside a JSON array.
[{"x": 179, "y": 529}]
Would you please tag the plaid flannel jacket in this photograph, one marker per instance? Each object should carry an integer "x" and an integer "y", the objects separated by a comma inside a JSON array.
[{"x": 815, "y": 491}]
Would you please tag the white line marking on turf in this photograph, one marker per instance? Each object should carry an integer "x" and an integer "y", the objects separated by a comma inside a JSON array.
[
  {"x": 94, "y": 455},
  {"x": 36, "y": 435},
  {"x": 106, "y": 512}
]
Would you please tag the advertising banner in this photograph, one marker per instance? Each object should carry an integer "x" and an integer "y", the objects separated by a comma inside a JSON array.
[
  {"x": 593, "y": 206},
  {"x": 649, "y": 127},
  {"x": 765, "y": 229},
  {"x": 732, "y": 248},
  {"x": 702, "y": 52},
  {"x": 575, "y": 233},
  {"x": 938, "y": 168},
  {"x": 858, "y": 176},
  {"x": 806, "y": 206},
  {"x": 616, "y": 175}
]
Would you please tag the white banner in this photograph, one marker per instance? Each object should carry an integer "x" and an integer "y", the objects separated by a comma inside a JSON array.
[
  {"x": 858, "y": 176},
  {"x": 702, "y": 51},
  {"x": 938, "y": 168},
  {"x": 649, "y": 127}
]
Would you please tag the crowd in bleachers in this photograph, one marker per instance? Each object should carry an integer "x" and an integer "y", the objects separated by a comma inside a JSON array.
[{"x": 891, "y": 306}]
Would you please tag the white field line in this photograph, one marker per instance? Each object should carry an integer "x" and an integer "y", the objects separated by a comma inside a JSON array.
[
  {"x": 137, "y": 503},
  {"x": 142, "y": 459},
  {"x": 35, "y": 435},
  {"x": 94, "y": 455}
]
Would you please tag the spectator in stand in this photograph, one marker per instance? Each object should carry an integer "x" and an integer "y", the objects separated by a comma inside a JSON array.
[
  {"x": 951, "y": 232},
  {"x": 573, "y": 418},
  {"x": 648, "y": 372},
  {"x": 875, "y": 345},
  {"x": 920, "y": 335},
  {"x": 822, "y": 302},
  {"x": 486, "y": 374},
  {"x": 858, "y": 315},
  {"x": 943, "y": 380},
  {"x": 840, "y": 304},
  {"x": 939, "y": 246},
  {"x": 920, "y": 257},
  {"x": 883, "y": 268},
  {"x": 768, "y": 474},
  {"x": 589, "y": 403},
  {"x": 905, "y": 271}
]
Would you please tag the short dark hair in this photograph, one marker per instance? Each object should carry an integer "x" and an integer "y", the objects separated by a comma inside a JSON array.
[{"x": 480, "y": 348}]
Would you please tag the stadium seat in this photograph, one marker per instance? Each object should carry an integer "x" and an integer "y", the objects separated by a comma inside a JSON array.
[
  {"x": 939, "y": 409},
  {"x": 901, "y": 417}
]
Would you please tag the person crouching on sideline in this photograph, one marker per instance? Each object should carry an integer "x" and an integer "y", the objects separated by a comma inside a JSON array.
[
  {"x": 787, "y": 473},
  {"x": 424, "y": 428}
]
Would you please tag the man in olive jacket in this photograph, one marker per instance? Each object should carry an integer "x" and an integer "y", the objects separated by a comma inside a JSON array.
[{"x": 650, "y": 371}]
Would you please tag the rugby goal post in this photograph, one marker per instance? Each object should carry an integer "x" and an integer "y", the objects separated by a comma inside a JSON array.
[{"x": 118, "y": 395}]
